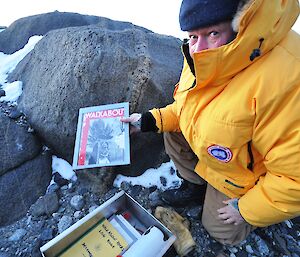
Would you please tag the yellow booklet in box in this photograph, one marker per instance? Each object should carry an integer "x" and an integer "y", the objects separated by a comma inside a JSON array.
[{"x": 102, "y": 240}]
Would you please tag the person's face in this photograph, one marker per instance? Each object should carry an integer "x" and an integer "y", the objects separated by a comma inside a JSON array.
[{"x": 210, "y": 37}]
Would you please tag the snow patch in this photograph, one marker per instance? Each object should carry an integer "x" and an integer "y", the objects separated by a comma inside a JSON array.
[
  {"x": 8, "y": 63},
  {"x": 163, "y": 177},
  {"x": 63, "y": 168}
]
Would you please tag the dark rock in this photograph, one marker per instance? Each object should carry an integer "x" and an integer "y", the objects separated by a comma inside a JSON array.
[
  {"x": 135, "y": 190},
  {"x": 35, "y": 252},
  {"x": 59, "y": 179},
  {"x": 21, "y": 187},
  {"x": 17, "y": 145},
  {"x": 18, "y": 235},
  {"x": 83, "y": 191},
  {"x": 64, "y": 223},
  {"x": 96, "y": 180},
  {"x": 2, "y": 92},
  {"x": 77, "y": 202},
  {"x": 152, "y": 189},
  {"x": 15, "y": 114},
  {"x": 88, "y": 66},
  {"x": 155, "y": 199},
  {"x": 195, "y": 212},
  {"x": 172, "y": 171},
  {"x": 45, "y": 205},
  {"x": 17, "y": 34},
  {"x": 52, "y": 188},
  {"x": 163, "y": 181},
  {"x": 125, "y": 186},
  {"x": 47, "y": 234}
]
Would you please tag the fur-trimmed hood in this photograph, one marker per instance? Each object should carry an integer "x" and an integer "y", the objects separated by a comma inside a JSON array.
[
  {"x": 260, "y": 26},
  {"x": 242, "y": 7}
]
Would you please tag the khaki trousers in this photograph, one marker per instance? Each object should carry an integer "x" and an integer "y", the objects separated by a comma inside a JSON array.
[{"x": 185, "y": 161}]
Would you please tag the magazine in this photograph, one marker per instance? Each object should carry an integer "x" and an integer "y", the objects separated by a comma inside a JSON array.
[{"x": 101, "y": 138}]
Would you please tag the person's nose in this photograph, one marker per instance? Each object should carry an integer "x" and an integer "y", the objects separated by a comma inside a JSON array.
[{"x": 200, "y": 45}]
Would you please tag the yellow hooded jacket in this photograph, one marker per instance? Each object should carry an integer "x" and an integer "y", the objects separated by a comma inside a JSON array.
[{"x": 242, "y": 117}]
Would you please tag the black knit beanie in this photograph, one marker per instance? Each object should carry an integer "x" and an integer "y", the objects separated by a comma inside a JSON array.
[{"x": 196, "y": 14}]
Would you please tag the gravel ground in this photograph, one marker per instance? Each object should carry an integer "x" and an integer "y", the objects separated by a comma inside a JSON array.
[{"x": 64, "y": 204}]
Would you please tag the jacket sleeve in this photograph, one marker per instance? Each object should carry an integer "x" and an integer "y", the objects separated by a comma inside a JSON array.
[
  {"x": 276, "y": 136},
  {"x": 166, "y": 119}
]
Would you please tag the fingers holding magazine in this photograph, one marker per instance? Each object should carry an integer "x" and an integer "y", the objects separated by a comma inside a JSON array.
[{"x": 135, "y": 122}]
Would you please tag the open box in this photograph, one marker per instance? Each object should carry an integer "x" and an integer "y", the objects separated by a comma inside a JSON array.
[{"x": 120, "y": 203}]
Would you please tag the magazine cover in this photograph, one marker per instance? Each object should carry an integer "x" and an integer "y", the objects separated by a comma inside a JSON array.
[{"x": 101, "y": 138}]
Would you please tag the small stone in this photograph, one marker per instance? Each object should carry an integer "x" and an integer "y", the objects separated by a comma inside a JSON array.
[
  {"x": 78, "y": 214},
  {"x": 46, "y": 204},
  {"x": 194, "y": 212},
  {"x": 77, "y": 202},
  {"x": 15, "y": 114},
  {"x": 65, "y": 187},
  {"x": 30, "y": 130},
  {"x": 152, "y": 188},
  {"x": 64, "y": 223},
  {"x": 175, "y": 184},
  {"x": 249, "y": 249},
  {"x": 135, "y": 190},
  {"x": 61, "y": 209},
  {"x": 163, "y": 181},
  {"x": 56, "y": 215},
  {"x": 59, "y": 179},
  {"x": 125, "y": 186},
  {"x": 18, "y": 235},
  {"x": 233, "y": 250},
  {"x": 47, "y": 234},
  {"x": 172, "y": 171},
  {"x": 155, "y": 199},
  {"x": 29, "y": 219},
  {"x": 92, "y": 208},
  {"x": 288, "y": 223},
  {"x": 52, "y": 188},
  {"x": 2, "y": 93},
  {"x": 262, "y": 247}
]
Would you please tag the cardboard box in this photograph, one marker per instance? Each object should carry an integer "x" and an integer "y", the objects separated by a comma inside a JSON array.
[{"x": 119, "y": 203}]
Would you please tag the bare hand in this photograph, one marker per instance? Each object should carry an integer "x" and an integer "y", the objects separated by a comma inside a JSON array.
[
  {"x": 133, "y": 119},
  {"x": 229, "y": 214}
]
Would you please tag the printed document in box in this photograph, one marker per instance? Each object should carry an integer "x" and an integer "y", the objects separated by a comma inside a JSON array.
[{"x": 99, "y": 241}]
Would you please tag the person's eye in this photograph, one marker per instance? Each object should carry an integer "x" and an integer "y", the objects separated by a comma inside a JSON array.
[
  {"x": 192, "y": 37},
  {"x": 214, "y": 34}
]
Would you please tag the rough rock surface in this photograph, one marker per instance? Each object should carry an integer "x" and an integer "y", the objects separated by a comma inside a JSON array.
[
  {"x": 26, "y": 236},
  {"x": 21, "y": 187},
  {"x": 86, "y": 66},
  {"x": 17, "y": 145},
  {"x": 17, "y": 34},
  {"x": 25, "y": 169}
]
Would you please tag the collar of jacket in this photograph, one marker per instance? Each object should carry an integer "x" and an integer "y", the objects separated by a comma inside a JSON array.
[{"x": 261, "y": 19}]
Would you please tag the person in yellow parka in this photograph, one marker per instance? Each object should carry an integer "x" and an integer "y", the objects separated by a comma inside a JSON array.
[{"x": 235, "y": 119}]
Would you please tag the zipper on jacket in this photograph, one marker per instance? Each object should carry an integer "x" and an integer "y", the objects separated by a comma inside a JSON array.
[{"x": 251, "y": 163}]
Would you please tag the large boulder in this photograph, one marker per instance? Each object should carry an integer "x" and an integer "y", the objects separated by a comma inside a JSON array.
[
  {"x": 25, "y": 172},
  {"x": 17, "y": 145},
  {"x": 17, "y": 34},
  {"x": 22, "y": 186},
  {"x": 87, "y": 66}
]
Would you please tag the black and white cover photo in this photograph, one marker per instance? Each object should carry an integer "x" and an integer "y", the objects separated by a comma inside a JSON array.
[{"x": 101, "y": 138}]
